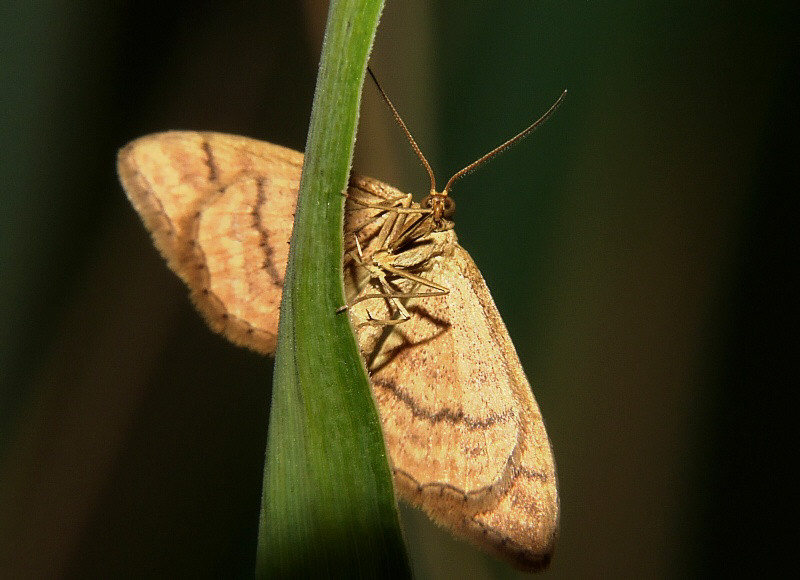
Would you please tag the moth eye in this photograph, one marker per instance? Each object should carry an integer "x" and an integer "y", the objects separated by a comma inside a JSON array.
[{"x": 449, "y": 207}]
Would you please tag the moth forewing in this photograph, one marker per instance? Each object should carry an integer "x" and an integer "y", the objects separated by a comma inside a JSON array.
[
  {"x": 523, "y": 526},
  {"x": 220, "y": 210},
  {"x": 467, "y": 438}
]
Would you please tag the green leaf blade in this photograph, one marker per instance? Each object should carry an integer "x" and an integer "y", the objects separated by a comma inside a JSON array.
[{"x": 328, "y": 507}]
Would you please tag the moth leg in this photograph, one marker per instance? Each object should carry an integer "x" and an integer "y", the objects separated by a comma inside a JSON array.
[
  {"x": 400, "y": 204},
  {"x": 380, "y": 322},
  {"x": 378, "y": 274},
  {"x": 375, "y": 274},
  {"x": 392, "y": 232},
  {"x": 378, "y": 271}
]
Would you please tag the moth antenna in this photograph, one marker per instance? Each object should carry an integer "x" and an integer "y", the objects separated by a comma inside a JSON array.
[
  {"x": 500, "y": 148},
  {"x": 402, "y": 125}
]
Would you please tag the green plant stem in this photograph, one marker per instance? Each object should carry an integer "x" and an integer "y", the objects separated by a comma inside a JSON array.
[{"x": 328, "y": 507}]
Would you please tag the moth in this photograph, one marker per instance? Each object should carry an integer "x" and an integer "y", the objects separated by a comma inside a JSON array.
[{"x": 465, "y": 436}]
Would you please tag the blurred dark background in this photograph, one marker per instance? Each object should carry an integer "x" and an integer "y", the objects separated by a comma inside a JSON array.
[{"x": 640, "y": 247}]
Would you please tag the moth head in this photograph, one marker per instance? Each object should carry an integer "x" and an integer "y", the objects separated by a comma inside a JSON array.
[{"x": 441, "y": 205}]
